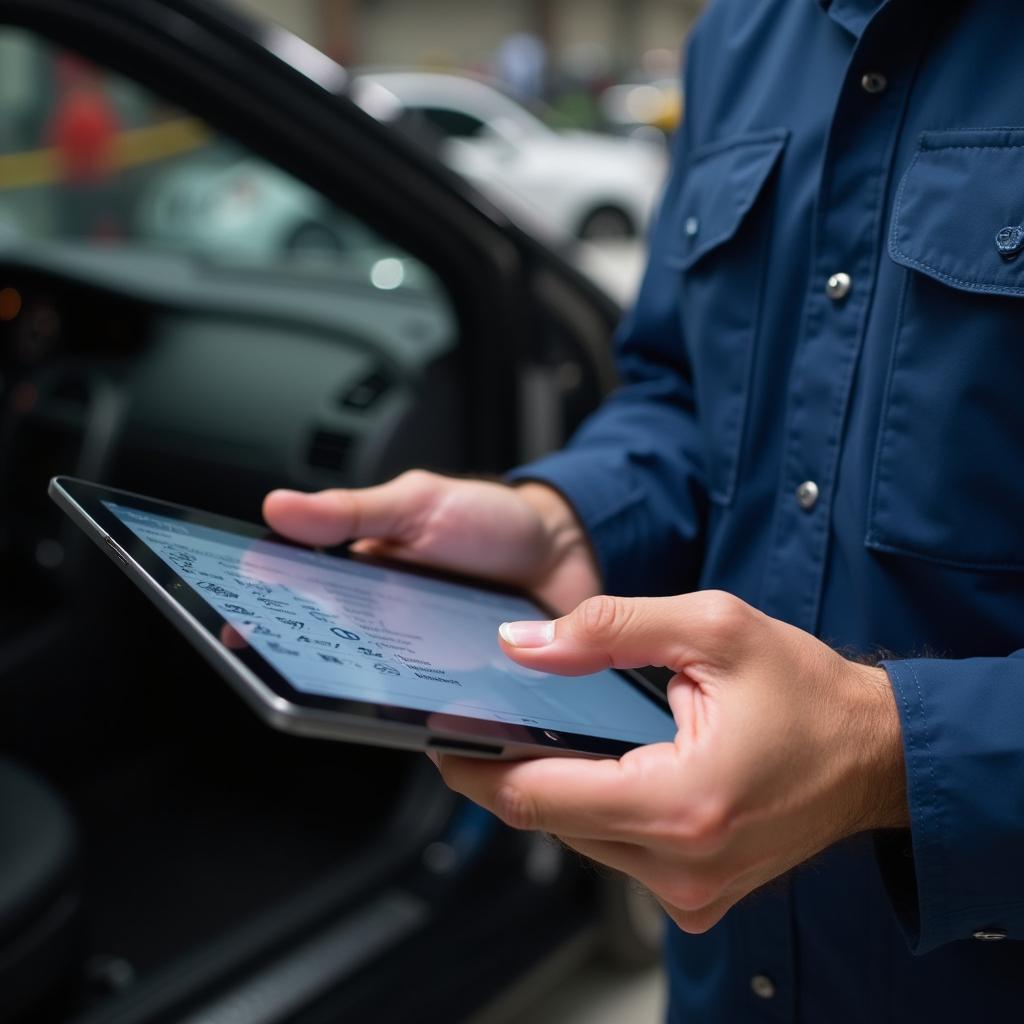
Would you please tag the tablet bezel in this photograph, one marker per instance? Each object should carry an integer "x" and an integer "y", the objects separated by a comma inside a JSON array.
[{"x": 267, "y": 689}]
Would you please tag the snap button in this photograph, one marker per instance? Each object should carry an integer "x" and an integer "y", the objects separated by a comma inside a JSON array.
[
  {"x": 691, "y": 226},
  {"x": 838, "y": 286},
  {"x": 762, "y": 986},
  {"x": 807, "y": 495},
  {"x": 990, "y": 934},
  {"x": 874, "y": 82},
  {"x": 1010, "y": 241}
]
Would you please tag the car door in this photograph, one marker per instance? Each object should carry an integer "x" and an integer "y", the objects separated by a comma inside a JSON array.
[
  {"x": 374, "y": 314},
  {"x": 528, "y": 353}
]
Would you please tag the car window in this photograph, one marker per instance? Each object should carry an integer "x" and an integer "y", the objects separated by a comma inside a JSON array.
[
  {"x": 452, "y": 124},
  {"x": 91, "y": 158}
]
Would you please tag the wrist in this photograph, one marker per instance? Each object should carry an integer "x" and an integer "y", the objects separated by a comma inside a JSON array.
[
  {"x": 564, "y": 533},
  {"x": 877, "y": 746},
  {"x": 559, "y": 521}
]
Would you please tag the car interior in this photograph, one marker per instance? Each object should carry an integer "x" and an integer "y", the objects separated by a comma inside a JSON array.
[{"x": 164, "y": 855}]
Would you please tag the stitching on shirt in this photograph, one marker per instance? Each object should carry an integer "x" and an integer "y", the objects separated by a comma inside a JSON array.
[
  {"x": 909, "y": 735},
  {"x": 880, "y": 179},
  {"x": 875, "y": 501},
  {"x": 1008, "y": 290},
  {"x": 925, "y": 148},
  {"x": 936, "y": 807},
  {"x": 896, "y": 214},
  {"x": 742, "y": 204},
  {"x": 925, "y": 140},
  {"x": 873, "y": 541},
  {"x": 767, "y": 137},
  {"x": 722, "y": 492},
  {"x": 959, "y": 913},
  {"x": 765, "y": 144},
  {"x": 896, "y": 246}
]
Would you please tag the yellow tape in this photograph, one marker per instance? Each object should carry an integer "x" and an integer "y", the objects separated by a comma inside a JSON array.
[{"x": 132, "y": 148}]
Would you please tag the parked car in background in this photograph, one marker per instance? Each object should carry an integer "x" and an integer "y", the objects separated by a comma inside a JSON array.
[
  {"x": 234, "y": 209},
  {"x": 231, "y": 205},
  {"x": 562, "y": 184}
]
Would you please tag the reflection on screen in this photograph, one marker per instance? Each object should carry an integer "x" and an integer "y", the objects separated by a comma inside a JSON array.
[{"x": 339, "y": 628}]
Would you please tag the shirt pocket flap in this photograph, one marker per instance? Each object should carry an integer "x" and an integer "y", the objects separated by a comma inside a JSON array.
[
  {"x": 959, "y": 211},
  {"x": 721, "y": 185}
]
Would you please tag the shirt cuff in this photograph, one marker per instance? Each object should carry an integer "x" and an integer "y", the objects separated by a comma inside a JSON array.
[
  {"x": 963, "y": 740},
  {"x": 624, "y": 521}
]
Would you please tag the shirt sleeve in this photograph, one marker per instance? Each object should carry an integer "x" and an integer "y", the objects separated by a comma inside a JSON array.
[
  {"x": 963, "y": 739},
  {"x": 633, "y": 471}
]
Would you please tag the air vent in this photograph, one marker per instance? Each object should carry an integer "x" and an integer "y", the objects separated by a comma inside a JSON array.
[
  {"x": 329, "y": 450},
  {"x": 364, "y": 394}
]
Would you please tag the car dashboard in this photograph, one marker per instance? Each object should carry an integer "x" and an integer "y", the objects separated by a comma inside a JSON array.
[{"x": 207, "y": 385}]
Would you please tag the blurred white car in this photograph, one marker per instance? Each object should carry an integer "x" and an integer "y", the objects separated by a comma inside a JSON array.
[
  {"x": 239, "y": 210},
  {"x": 564, "y": 184},
  {"x": 229, "y": 208}
]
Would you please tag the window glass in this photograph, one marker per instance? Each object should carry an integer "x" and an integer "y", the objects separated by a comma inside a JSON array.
[
  {"x": 452, "y": 124},
  {"x": 88, "y": 157}
]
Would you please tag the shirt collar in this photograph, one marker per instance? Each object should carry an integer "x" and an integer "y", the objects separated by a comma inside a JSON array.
[{"x": 853, "y": 15}]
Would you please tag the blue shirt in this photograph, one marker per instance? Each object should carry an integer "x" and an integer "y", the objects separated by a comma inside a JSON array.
[{"x": 822, "y": 411}]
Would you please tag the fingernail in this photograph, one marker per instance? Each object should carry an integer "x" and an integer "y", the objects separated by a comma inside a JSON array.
[{"x": 527, "y": 634}]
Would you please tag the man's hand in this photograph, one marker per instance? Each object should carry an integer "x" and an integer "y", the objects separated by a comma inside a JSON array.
[
  {"x": 527, "y": 535},
  {"x": 783, "y": 748}
]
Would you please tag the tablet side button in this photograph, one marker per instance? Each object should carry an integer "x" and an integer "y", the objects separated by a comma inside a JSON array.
[{"x": 116, "y": 550}]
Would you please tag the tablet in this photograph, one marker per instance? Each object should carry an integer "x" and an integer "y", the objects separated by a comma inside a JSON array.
[{"x": 338, "y": 645}]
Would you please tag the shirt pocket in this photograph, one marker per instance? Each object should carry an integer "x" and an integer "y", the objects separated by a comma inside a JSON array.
[
  {"x": 719, "y": 244},
  {"x": 948, "y": 476}
]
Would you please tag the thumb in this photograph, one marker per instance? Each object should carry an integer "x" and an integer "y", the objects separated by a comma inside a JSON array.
[
  {"x": 619, "y": 632},
  {"x": 386, "y": 512}
]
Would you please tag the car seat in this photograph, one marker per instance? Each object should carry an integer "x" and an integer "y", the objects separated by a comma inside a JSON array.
[{"x": 40, "y": 905}]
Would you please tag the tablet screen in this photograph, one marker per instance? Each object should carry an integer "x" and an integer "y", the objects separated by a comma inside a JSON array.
[{"x": 341, "y": 628}]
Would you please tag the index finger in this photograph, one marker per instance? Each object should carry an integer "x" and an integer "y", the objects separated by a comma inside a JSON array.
[
  {"x": 605, "y": 799},
  {"x": 331, "y": 517}
]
